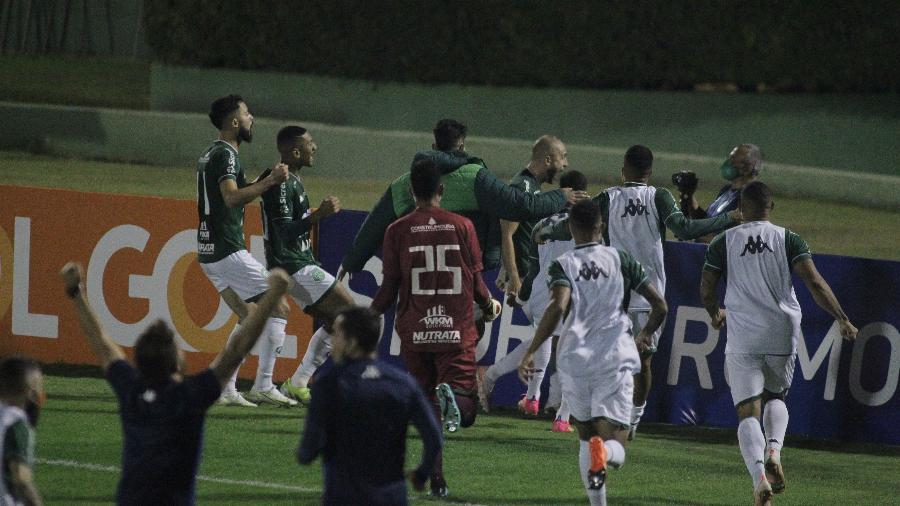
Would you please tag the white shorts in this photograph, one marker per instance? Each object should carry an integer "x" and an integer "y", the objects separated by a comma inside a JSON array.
[
  {"x": 749, "y": 374},
  {"x": 591, "y": 397},
  {"x": 240, "y": 272},
  {"x": 311, "y": 283},
  {"x": 638, "y": 321}
]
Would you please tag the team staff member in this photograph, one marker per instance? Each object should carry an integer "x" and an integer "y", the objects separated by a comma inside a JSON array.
[
  {"x": 163, "y": 411},
  {"x": 359, "y": 416},
  {"x": 469, "y": 190},
  {"x": 432, "y": 259},
  {"x": 763, "y": 326},
  {"x": 21, "y": 397}
]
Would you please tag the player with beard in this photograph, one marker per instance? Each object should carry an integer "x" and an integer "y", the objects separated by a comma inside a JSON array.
[
  {"x": 222, "y": 193},
  {"x": 21, "y": 397}
]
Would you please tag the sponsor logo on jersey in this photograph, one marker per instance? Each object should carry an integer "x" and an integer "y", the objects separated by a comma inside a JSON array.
[
  {"x": 436, "y": 337},
  {"x": 634, "y": 208},
  {"x": 432, "y": 226},
  {"x": 590, "y": 271},
  {"x": 206, "y": 248},
  {"x": 318, "y": 275},
  {"x": 436, "y": 318},
  {"x": 754, "y": 247}
]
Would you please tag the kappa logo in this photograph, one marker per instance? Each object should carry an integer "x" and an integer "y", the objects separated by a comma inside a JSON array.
[
  {"x": 634, "y": 208},
  {"x": 590, "y": 271},
  {"x": 371, "y": 373},
  {"x": 754, "y": 247},
  {"x": 436, "y": 318}
]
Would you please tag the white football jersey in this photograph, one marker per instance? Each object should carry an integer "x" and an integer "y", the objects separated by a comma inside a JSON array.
[
  {"x": 596, "y": 337},
  {"x": 547, "y": 253},
  {"x": 763, "y": 315},
  {"x": 8, "y": 416},
  {"x": 634, "y": 227}
]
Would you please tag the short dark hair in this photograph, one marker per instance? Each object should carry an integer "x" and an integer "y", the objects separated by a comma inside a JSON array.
[
  {"x": 14, "y": 372},
  {"x": 573, "y": 179},
  {"x": 288, "y": 134},
  {"x": 757, "y": 195},
  {"x": 363, "y": 325},
  {"x": 448, "y": 133},
  {"x": 222, "y": 107},
  {"x": 638, "y": 160},
  {"x": 156, "y": 353},
  {"x": 585, "y": 215},
  {"x": 425, "y": 178}
]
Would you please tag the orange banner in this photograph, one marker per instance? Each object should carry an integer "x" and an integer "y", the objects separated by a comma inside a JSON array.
[{"x": 140, "y": 261}]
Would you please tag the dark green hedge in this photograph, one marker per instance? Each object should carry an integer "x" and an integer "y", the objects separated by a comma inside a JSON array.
[{"x": 829, "y": 45}]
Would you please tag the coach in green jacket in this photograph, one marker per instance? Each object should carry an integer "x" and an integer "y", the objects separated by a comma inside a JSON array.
[{"x": 469, "y": 189}]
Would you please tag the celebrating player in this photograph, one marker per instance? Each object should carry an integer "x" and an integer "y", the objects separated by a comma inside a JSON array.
[
  {"x": 287, "y": 220},
  {"x": 637, "y": 215},
  {"x": 763, "y": 325},
  {"x": 163, "y": 411},
  {"x": 432, "y": 258},
  {"x": 222, "y": 193},
  {"x": 597, "y": 355},
  {"x": 533, "y": 298}
]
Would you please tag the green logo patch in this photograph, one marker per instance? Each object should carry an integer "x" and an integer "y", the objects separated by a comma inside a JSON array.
[{"x": 318, "y": 275}]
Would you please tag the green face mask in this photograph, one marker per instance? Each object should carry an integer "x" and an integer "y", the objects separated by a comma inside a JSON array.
[{"x": 729, "y": 171}]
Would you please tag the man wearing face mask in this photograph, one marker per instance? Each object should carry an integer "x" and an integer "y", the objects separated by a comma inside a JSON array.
[
  {"x": 741, "y": 168},
  {"x": 21, "y": 396}
]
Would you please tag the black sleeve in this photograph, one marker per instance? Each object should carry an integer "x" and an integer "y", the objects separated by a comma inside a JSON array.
[
  {"x": 204, "y": 388},
  {"x": 121, "y": 377},
  {"x": 510, "y": 203},
  {"x": 371, "y": 234}
]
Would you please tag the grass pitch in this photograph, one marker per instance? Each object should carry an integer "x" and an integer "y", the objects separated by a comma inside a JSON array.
[
  {"x": 501, "y": 460},
  {"x": 838, "y": 229}
]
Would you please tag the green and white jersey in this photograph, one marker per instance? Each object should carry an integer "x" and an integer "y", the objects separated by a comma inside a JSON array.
[
  {"x": 525, "y": 248},
  {"x": 596, "y": 337},
  {"x": 18, "y": 443},
  {"x": 221, "y": 229},
  {"x": 634, "y": 225},
  {"x": 763, "y": 312},
  {"x": 281, "y": 205}
]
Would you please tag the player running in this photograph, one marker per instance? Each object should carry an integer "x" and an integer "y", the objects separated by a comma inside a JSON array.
[
  {"x": 287, "y": 220},
  {"x": 222, "y": 193},
  {"x": 637, "y": 216},
  {"x": 533, "y": 299},
  {"x": 432, "y": 258},
  {"x": 763, "y": 326},
  {"x": 590, "y": 289}
]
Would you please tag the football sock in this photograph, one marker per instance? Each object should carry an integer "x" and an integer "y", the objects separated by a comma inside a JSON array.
[
  {"x": 615, "y": 453},
  {"x": 564, "y": 413},
  {"x": 232, "y": 381},
  {"x": 269, "y": 348},
  {"x": 467, "y": 411},
  {"x": 554, "y": 396},
  {"x": 775, "y": 421},
  {"x": 507, "y": 364},
  {"x": 541, "y": 361},
  {"x": 597, "y": 497},
  {"x": 636, "y": 413},
  {"x": 316, "y": 353},
  {"x": 753, "y": 447}
]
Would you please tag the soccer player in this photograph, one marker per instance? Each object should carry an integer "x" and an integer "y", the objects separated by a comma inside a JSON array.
[
  {"x": 162, "y": 410},
  {"x": 222, "y": 193},
  {"x": 637, "y": 215},
  {"x": 533, "y": 297},
  {"x": 589, "y": 291},
  {"x": 469, "y": 190},
  {"x": 358, "y": 419},
  {"x": 590, "y": 287},
  {"x": 21, "y": 397},
  {"x": 287, "y": 220},
  {"x": 763, "y": 325},
  {"x": 432, "y": 258}
]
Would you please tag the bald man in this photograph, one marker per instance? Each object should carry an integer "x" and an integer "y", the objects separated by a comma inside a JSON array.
[{"x": 548, "y": 160}]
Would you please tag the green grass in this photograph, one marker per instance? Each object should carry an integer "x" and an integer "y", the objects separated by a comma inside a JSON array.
[
  {"x": 75, "y": 80},
  {"x": 500, "y": 460},
  {"x": 838, "y": 229}
]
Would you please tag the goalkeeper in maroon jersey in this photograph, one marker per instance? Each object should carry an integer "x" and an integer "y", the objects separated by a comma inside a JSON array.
[{"x": 431, "y": 257}]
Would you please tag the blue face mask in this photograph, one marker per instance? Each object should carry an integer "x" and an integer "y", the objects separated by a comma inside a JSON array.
[{"x": 729, "y": 171}]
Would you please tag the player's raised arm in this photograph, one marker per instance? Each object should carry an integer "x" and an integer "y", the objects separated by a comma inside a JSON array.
[
  {"x": 106, "y": 350},
  {"x": 242, "y": 342},
  {"x": 823, "y": 295},
  {"x": 237, "y": 197}
]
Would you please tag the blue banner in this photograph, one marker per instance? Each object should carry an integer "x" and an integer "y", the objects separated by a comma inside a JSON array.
[{"x": 840, "y": 389}]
